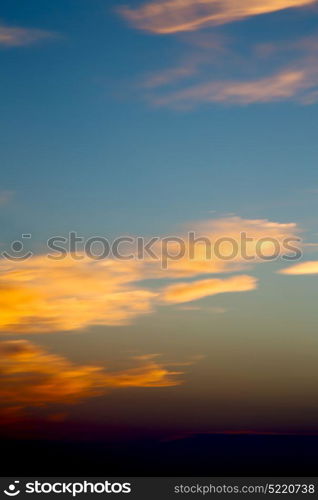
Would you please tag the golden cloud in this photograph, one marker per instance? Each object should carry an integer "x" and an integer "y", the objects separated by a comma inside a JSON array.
[
  {"x": 173, "y": 16},
  {"x": 40, "y": 294},
  {"x": 44, "y": 295},
  {"x": 234, "y": 243},
  {"x": 310, "y": 267},
  {"x": 188, "y": 292},
  {"x": 32, "y": 377}
]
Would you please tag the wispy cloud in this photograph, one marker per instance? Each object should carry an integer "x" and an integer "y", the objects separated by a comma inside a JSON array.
[
  {"x": 297, "y": 80},
  {"x": 188, "y": 292},
  {"x": 33, "y": 377},
  {"x": 171, "y": 75},
  {"x": 215, "y": 71},
  {"x": 281, "y": 86},
  {"x": 13, "y": 36},
  {"x": 310, "y": 267},
  {"x": 202, "y": 50},
  {"x": 174, "y": 16}
]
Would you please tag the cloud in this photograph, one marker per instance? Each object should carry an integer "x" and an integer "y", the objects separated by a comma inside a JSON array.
[
  {"x": 33, "y": 377},
  {"x": 18, "y": 37},
  {"x": 188, "y": 292},
  {"x": 44, "y": 295},
  {"x": 226, "y": 237},
  {"x": 212, "y": 71},
  {"x": 171, "y": 75},
  {"x": 310, "y": 267},
  {"x": 281, "y": 86},
  {"x": 203, "y": 51},
  {"x": 174, "y": 16}
]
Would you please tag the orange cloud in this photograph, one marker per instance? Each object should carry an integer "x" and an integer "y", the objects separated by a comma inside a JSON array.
[
  {"x": 173, "y": 16},
  {"x": 39, "y": 294},
  {"x": 188, "y": 292},
  {"x": 225, "y": 235},
  {"x": 32, "y": 377},
  {"x": 281, "y": 86},
  {"x": 44, "y": 295},
  {"x": 310, "y": 267},
  {"x": 297, "y": 79},
  {"x": 17, "y": 37}
]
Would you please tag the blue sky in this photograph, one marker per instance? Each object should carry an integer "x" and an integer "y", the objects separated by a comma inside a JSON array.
[{"x": 90, "y": 145}]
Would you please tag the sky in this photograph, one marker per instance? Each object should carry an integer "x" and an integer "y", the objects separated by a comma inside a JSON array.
[{"x": 154, "y": 119}]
